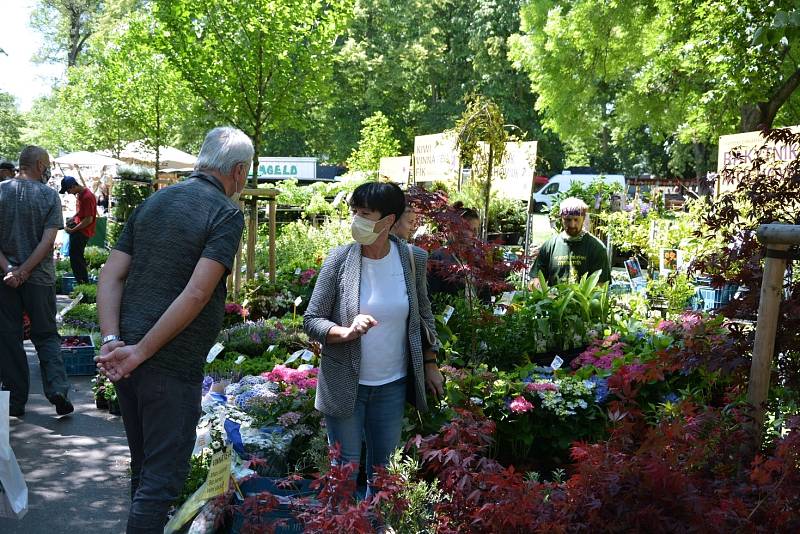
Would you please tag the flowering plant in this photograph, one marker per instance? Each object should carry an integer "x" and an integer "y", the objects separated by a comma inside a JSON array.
[{"x": 234, "y": 314}]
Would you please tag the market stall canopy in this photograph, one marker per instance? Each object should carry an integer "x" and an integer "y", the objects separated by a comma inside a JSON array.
[
  {"x": 86, "y": 159},
  {"x": 169, "y": 157}
]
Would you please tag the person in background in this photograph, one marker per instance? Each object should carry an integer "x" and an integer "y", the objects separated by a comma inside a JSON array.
[
  {"x": 30, "y": 218},
  {"x": 406, "y": 224},
  {"x": 161, "y": 301},
  {"x": 7, "y": 170},
  {"x": 573, "y": 252},
  {"x": 367, "y": 311},
  {"x": 438, "y": 281},
  {"x": 83, "y": 226}
]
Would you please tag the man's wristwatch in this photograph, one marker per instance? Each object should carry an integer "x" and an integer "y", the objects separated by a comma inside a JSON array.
[{"x": 109, "y": 338}]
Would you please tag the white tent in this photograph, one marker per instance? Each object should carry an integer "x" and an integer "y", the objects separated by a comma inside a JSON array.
[
  {"x": 93, "y": 162},
  {"x": 86, "y": 159},
  {"x": 169, "y": 157}
]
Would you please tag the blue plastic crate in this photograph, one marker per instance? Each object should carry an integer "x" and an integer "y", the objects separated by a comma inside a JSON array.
[
  {"x": 80, "y": 360},
  {"x": 710, "y": 298}
]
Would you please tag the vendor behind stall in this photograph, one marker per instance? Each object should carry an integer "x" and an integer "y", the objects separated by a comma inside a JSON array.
[{"x": 573, "y": 252}]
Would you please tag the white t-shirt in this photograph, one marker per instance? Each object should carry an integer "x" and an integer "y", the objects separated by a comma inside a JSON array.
[{"x": 383, "y": 295}]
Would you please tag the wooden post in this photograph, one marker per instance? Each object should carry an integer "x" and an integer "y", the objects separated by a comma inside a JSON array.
[
  {"x": 778, "y": 238},
  {"x": 764, "y": 348},
  {"x": 252, "y": 231},
  {"x": 273, "y": 204}
]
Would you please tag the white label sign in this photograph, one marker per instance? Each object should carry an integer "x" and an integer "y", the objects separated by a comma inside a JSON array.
[{"x": 214, "y": 352}]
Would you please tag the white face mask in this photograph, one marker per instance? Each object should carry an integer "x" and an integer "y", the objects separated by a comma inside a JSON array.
[{"x": 363, "y": 230}]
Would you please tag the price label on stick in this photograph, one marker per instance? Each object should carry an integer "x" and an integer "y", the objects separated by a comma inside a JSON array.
[
  {"x": 240, "y": 359},
  {"x": 557, "y": 363},
  {"x": 447, "y": 313},
  {"x": 297, "y": 301},
  {"x": 297, "y": 271},
  {"x": 214, "y": 352}
]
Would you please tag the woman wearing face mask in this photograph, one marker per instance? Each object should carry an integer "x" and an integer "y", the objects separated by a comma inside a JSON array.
[{"x": 366, "y": 311}]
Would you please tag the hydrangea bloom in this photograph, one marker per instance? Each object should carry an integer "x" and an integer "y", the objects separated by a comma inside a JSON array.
[
  {"x": 520, "y": 405},
  {"x": 289, "y": 419},
  {"x": 304, "y": 380},
  {"x": 542, "y": 386}
]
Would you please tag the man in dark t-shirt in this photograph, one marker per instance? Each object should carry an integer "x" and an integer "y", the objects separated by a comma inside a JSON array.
[
  {"x": 30, "y": 218},
  {"x": 81, "y": 227},
  {"x": 572, "y": 253},
  {"x": 161, "y": 301}
]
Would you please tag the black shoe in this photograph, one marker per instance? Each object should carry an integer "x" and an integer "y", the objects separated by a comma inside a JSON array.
[
  {"x": 16, "y": 412},
  {"x": 63, "y": 405}
]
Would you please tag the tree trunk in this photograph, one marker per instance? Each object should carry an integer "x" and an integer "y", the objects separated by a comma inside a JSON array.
[
  {"x": 487, "y": 194},
  {"x": 762, "y": 114},
  {"x": 700, "y": 153}
]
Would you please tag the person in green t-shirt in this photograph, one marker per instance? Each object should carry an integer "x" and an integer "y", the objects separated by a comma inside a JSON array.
[{"x": 572, "y": 253}]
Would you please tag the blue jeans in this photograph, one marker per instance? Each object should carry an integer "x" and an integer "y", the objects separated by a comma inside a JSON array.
[
  {"x": 160, "y": 413},
  {"x": 377, "y": 419}
]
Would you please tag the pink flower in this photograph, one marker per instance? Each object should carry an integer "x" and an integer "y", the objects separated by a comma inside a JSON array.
[
  {"x": 520, "y": 405},
  {"x": 666, "y": 326},
  {"x": 302, "y": 379},
  {"x": 307, "y": 275},
  {"x": 542, "y": 386}
]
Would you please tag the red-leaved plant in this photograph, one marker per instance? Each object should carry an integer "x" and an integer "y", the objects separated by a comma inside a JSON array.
[{"x": 477, "y": 262}]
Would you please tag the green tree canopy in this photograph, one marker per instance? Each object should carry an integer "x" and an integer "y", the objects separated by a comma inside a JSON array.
[
  {"x": 256, "y": 64},
  {"x": 689, "y": 70},
  {"x": 11, "y": 123},
  {"x": 377, "y": 141}
]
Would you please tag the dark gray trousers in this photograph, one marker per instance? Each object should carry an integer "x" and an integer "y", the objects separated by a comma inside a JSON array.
[
  {"x": 77, "y": 258},
  {"x": 40, "y": 303},
  {"x": 160, "y": 413}
]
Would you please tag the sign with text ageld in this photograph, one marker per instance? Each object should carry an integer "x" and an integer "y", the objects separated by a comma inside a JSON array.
[{"x": 287, "y": 168}]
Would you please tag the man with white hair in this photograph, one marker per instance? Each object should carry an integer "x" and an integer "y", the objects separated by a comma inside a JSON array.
[
  {"x": 572, "y": 253},
  {"x": 161, "y": 300}
]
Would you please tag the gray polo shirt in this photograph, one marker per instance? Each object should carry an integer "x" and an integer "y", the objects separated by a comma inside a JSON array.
[
  {"x": 166, "y": 236},
  {"x": 27, "y": 208}
]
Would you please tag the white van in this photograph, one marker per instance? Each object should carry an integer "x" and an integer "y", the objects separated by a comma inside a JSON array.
[{"x": 561, "y": 182}]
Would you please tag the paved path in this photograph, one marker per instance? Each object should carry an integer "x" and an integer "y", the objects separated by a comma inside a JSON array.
[{"x": 76, "y": 466}]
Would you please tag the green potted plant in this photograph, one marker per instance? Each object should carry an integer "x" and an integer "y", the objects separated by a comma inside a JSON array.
[
  {"x": 99, "y": 391},
  {"x": 111, "y": 397}
]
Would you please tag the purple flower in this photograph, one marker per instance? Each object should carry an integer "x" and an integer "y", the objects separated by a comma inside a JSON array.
[{"x": 207, "y": 383}]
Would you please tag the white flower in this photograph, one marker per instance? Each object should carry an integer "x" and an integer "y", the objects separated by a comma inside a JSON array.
[
  {"x": 476, "y": 401},
  {"x": 582, "y": 404}
]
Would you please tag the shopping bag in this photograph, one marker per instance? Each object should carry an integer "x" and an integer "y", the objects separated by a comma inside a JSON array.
[{"x": 13, "y": 491}]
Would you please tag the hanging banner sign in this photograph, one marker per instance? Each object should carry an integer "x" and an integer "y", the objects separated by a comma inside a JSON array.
[
  {"x": 435, "y": 158},
  {"x": 743, "y": 148},
  {"x": 397, "y": 169}
]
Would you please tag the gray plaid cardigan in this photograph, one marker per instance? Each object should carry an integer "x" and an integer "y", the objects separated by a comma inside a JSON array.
[{"x": 335, "y": 302}]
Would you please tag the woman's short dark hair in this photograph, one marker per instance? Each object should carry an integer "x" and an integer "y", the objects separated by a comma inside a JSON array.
[
  {"x": 385, "y": 198},
  {"x": 466, "y": 213}
]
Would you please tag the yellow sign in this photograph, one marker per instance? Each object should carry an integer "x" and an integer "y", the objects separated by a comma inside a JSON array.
[
  {"x": 742, "y": 149},
  {"x": 219, "y": 474},
  {"x": 397, "y": 169},
  {"x": 435, "y": 158}
]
